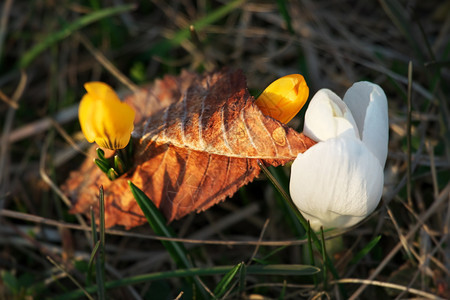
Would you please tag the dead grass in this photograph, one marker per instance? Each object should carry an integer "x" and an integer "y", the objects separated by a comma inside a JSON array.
[{"x": 334, "y": 44}]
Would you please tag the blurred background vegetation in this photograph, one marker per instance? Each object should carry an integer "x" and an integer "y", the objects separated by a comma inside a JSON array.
[{"x": 49, "y": 48}]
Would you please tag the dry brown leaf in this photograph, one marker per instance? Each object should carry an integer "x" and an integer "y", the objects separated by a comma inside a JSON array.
[{"x": 197, "y": 140}]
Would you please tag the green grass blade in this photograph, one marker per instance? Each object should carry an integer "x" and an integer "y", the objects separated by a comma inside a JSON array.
[
  {"x": 92, "y": 262},
  {"x": 31, "y": 54},
  {"x": 266, "y": 257},
  {"x": 283, "y": 270},
  {"x": 286, "y": 198},
  {"x": 409, "y": 181},
  {"x": 96, "y": 243},
  {"x": 102, "y": 221},
  {"x": 282, "y": 7},
  {"x": 259, "y": 261},
  {"x": 158, "y": 223},
  {"x": 242, "y": 278},
  {"x": 9, "y": 281},
  {"x": 282, "y": 185},
  {"x": 162, "y": 47},
  {"x": 100, "y": 258},
  {"x": 399, "y": 17},
  {"x": 325, "y": 260},
  {"x": 224, "y": 284},
  {"x": 365, "y": 250},
  {"x": 303, "y": 221},
  {"x": 311, "y": 253},
  {"x": 283, "y": 292}
]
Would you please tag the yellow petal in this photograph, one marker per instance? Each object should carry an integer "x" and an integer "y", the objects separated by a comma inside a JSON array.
[
  {"x": 284, "y": 97},
  {"x": 104, "y": 118},
  {"x": 85, "y": 115}
]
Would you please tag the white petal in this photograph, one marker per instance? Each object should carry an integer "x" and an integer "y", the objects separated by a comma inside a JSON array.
[
  {"x": 327, "y": 117},
  {"x": 368, "y": 105},
  {"x": 336, "y": 183}
]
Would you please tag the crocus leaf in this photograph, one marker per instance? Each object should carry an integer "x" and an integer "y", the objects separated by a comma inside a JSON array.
[
  {"x": 158, "y": 223},
  {"x": 225, "y": 282},
  {"x": 365, "y": 250}
]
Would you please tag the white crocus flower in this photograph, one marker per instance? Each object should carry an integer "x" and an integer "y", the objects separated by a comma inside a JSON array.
[{"x": 339, "y": 181}]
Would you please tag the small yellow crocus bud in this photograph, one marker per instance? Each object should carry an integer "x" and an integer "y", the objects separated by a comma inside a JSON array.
[
  {"x": 104, "y": 119},
  {"x": 284, "y": 97}
]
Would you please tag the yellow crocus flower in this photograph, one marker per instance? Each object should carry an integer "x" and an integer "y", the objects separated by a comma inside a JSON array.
[
  {"x": 104, "y": 119},
  {"x": 284, "y": 97}
]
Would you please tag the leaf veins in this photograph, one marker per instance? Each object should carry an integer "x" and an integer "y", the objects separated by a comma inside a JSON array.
[{"x": 197, "y": 141}]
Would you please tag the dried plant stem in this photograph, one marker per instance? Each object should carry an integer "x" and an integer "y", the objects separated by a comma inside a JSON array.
[
  {"x": 444, "y": 196},
  {"x": 68, "y": 138},
  {"x": 46, "y": 178},
  {"x": 430, "y": 150},
  {"x": 4, "y": 150},
  {"x": 49, "y": 222},
  {"x": 401, "y": 236},
  {"x": 33, "y": 128},
  {"x": 70, "y": 277},
  {"x": 8, "y": 101},
  {"x": 263, "y": 230},
  {"x": 389, "y": 285},
  {"x": 53, "y": 186},
  {"x": 107, "y": 64}
]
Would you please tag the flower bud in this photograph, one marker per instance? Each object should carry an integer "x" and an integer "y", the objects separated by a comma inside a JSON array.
[
  {"x": 339, "y": 181},
  {"x": 284, "y": 97},
  {"x": 104, "y": 119}
]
